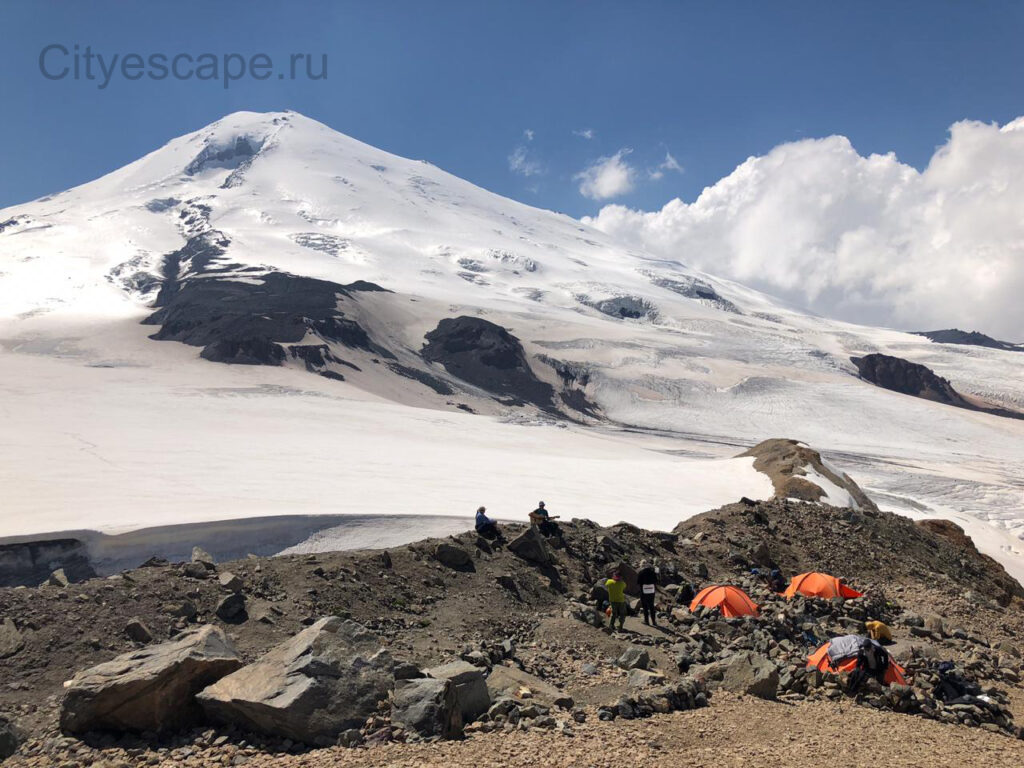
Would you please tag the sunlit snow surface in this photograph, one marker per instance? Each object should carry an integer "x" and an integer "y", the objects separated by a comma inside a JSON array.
[{"x": 102, "y": 428}]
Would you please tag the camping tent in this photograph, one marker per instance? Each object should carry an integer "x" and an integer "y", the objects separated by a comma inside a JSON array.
[
  {"x": 847, "y": 663},
  {"x": 731, "y": 601},
  {"x": 816, "y": 584}
]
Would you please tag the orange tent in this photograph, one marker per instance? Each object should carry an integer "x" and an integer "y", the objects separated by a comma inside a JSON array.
[
  {"x": 820, "y": 659},
  {"x": 731, "y": 601},
  {"x": 819, "y": 585}
]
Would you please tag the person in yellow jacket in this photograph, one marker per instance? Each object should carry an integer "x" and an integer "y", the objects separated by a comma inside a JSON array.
[
  {"x": 616, "y": 587},
  {"x": 879, "y": 631}
]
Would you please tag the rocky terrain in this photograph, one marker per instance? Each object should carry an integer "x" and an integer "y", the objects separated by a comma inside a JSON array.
[{"x": 461, "y": 651}]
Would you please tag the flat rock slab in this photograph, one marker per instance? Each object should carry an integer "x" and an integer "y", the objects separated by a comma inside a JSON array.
[
  {"x": 327, "y": 679},
  {"x": 152, "y": 689},
  {"x": 512, "y": 683}
]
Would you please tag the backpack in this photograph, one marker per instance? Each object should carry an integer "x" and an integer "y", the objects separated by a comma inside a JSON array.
[{"x": 872, "y": 661}]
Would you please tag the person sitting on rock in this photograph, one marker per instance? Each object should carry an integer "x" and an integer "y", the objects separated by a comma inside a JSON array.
[
  {"x": 616, "y": 587},
  {"x": 485, "y": 526},
  {"x": 544, "y": 521},
  {"x": 647, "y": 579}
]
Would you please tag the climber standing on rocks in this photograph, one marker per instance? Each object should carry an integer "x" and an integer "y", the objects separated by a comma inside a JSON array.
[
  {"x": 616, "y": 587},
  {"x": 647, "y": 580}
]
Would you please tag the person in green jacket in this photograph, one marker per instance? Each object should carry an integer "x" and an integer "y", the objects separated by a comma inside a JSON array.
[{"x": 616, "y": 587}]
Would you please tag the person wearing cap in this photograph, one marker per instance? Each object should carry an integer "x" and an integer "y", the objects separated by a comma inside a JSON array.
[
  {"x": 616, "y": 587},
  {"x": 544, "y": 521},
  {"x": 485, "y": 526}
]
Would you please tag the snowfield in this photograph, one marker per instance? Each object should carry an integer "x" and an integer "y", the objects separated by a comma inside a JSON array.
[{"x": 103, "y": 428}]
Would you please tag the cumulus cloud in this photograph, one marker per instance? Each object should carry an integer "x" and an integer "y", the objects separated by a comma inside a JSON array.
[
  {"x": 521, "y": 161},
  {"x": 668, "y": 164},
  {"x": 584, "y": 133},
  {"x": 607, "y": 177},
  {"x": 867, "y": 239},
  {"x": 528, "y": 134}
]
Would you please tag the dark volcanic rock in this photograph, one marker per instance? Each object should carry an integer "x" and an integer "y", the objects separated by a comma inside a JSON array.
[
  {"x": 487, "y": 356},
  {"x": 909, "y": 378},
  {"x": 973, "y": 338},
  {"x": 530, "y": 545},
  {"x": 9, "y": 739},
  {"x": 151, "y": 689},
  {"x": 248, "y": 322},
  {"x": 312, "y": 687},
  {"x": 428, "y": 707}
]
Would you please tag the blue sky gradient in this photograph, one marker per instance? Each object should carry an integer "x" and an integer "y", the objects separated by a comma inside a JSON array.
[{"x": 458, "y": 83}]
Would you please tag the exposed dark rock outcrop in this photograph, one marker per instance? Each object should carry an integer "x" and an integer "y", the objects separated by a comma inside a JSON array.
[
  {"x": 973, "y": 338},
  {"x": 909, "y": 378},
  {"x": 786, "y": 463},
  {"x": 487, "y": 356},
  {"x": 247, "y": 322},
  {"x": 694, "y": 288},
  {"x": 31, "y": 562}
]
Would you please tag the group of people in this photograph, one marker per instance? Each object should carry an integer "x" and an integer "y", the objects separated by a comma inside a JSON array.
[
  {"x": 613, "y": 592},
  {"x": 540, "y": 518}
]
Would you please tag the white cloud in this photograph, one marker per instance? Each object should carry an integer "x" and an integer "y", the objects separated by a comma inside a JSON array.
[
  {"x": 607, "y": 177},
  {"x": 668, "y": 164},
  {"x": 523, "y": 163},
  {"x": 528, "y": 133},
  {"x": 584, "y": 133},
  {"x": 867, "y": 239}
]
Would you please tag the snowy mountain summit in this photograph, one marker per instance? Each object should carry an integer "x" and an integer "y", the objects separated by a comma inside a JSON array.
[{"x": 330, "y": 272}]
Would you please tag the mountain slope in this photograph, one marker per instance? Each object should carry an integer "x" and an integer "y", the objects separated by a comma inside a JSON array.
[{"x": 271, "y": 239}]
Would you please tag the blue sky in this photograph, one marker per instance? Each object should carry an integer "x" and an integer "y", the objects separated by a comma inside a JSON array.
[{"x": 461, "y": 84}]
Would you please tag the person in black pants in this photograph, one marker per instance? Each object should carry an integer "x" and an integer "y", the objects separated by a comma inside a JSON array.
[{"x": 647, "y": 580}]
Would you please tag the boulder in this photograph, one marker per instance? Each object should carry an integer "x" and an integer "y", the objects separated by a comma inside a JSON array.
[
  {"x": 327, "y": 679},
  {"x": 230, "y": 582},
  {"x": 195, "y": 571},
  {"x": 57, "y": 579},
  {"x": 428, "y": 707},
  {"x": 232, "y": 609},
  {"x": 745, "y": 672},
  {"x": 634, "y": 657},
  {"x": 512, "y": 683},
  {"x": 933, "y": 623},
  {"x": 471, "y": 693},
  {"x": 151, "y": 689},
  {"x": 642, "y": 678},
  {"x": 200, "y": 555},
  {"x": 452, "y": 556},
  {"x": 138, "y": 631},
  {"x": 530, "y": 545},
  {"x": 11, "y": 640},
  {"x": 9, "y": 739}
]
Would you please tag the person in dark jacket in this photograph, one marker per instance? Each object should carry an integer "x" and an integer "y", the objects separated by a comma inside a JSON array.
[
  {"x": 647, "y": 580},
  {"x": 544, "y": 521},
  {"x": 485, "y": 526}
]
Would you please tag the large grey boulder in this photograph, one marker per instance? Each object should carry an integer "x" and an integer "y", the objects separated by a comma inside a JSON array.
[
  {"x": 325, "y": 680},
  {"x": 451, "y": 555},
  {"x": 745, "y": 672},
  {"x": 512, "y": 683},
  {"x": 634, "y": 657},
  {"x": 428, "y": 707},
  {"x": 530, "y": 545},
  {"x": 151, "y": 689},
  {"x": 11, "y": 640},
  {"x": 470, "y": 687}
]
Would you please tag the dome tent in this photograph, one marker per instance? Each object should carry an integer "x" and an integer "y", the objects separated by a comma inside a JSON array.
[
  {"x": 816, "y": 584},
  {"x": 731, "y": 601},
  {"x": 840, "y": 655}
]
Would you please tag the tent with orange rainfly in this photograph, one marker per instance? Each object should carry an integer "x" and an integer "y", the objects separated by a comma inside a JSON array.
[
  {"x": 816, "y": 584},
  {"x": 840, "y": 655},
  {"x": 731, "y": 601}
]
